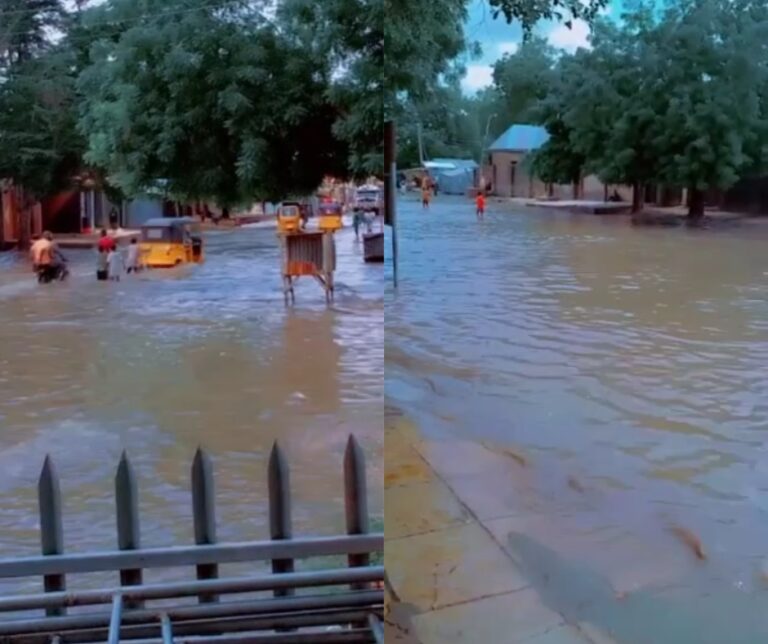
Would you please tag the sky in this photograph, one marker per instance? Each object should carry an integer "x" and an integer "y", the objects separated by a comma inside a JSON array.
[{"x": 497, "y": 38}]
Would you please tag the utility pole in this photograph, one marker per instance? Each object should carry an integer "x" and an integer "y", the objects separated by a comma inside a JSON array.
[
  {"x": 421, "y": 144},
  {"x": 390, "y": 189},
  {"x": 482, "y": 152}
]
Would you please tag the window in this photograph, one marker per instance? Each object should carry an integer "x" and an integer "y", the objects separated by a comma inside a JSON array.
[{"x": 154, "y": 234}]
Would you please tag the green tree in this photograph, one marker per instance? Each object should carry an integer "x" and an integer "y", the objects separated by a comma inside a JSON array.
[
  {"x": 529, "y": 12},
  {"x": 449, "y": 128},
  {"x": 214, "y": 101},
  {"x": 40, "y": 147},
  {"x": 611, "y": 104},
  {"x": 421, "y": 43},
  {"x": 349, "y": 35},
  {"x": 711, "y": 123},
  {"x": 24, "y": 28},
  {"x": 524, "y": 78},
  {"x": 677, "y": 97},
  {"x": 560, "y": 159}
]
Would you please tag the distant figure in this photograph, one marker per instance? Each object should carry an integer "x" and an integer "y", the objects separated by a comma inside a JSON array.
[
  {"x": 480, "y": 206},
  {"x": 132, "y": 261},
  {"x": 102, "y": 265},
  {"x": 426, "y": 195},
  {"x": 615, "y": 197},
  {"x": 106, "y": 242},
  {"x": 436, "y": 186},
  {"x": 115, "y": 265}
]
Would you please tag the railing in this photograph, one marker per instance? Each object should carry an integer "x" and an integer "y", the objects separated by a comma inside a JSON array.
[{"x": 140, "y": 612}]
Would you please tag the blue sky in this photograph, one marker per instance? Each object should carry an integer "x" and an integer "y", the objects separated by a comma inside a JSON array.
[{"x": 497, "y": 38}]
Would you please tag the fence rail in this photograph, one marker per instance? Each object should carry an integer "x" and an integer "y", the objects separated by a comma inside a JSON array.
[{"x": 291, "y": 614}]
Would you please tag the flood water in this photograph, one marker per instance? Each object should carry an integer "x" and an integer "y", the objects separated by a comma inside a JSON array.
[
  {"x": 632, "y": 360},
  {"x": 162, "y": 363}
]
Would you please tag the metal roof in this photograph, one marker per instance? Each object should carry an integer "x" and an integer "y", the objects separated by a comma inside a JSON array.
[
  {"x": 520, "y": 138},
  {"x": 167, "y": 222}
]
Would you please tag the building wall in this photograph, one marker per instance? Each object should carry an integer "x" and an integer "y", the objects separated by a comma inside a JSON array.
[
  {"x": 499, "y": 173},
  {"x": 503, "y": 182},
  {"x": 138, "y": 211},
  {"x": 61, "y": 212}
]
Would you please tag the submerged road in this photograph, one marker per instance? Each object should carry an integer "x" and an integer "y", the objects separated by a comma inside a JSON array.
[
  {"x": 161, "y": 363},
  {"x": 621, "y": 374}
]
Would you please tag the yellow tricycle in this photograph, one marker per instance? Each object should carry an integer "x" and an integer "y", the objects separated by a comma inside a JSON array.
[{"x": 170, "y": 241}]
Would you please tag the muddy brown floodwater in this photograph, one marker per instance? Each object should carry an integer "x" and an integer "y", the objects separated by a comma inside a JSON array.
[
  {"x": 162, "y": 363},
  {"x": 630, "y": 366}
]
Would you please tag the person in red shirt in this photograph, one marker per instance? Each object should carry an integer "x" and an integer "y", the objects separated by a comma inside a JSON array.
[
  {"x": 106, "y": 243},
  {"x": 480, "y": 205}
]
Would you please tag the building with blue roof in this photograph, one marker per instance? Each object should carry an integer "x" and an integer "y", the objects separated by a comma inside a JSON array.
[
  {"x": 520, "y": 138},
  {"x": 509, "y": 175}
]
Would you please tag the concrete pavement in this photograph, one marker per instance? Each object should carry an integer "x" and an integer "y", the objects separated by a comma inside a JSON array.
[{"x": 454, "y": 579}]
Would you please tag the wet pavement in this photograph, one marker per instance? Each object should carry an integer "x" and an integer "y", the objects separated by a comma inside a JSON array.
[
  {"x": 564, "y": 392},
  {"x": 161, "y": 363}
]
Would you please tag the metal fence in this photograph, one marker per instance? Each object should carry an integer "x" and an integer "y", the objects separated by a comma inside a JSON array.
[{"x": 290, "y": 612}]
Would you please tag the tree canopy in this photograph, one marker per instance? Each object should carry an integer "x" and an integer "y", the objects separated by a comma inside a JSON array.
[
  {"x": 39, "y": 143},
  {"x": 530, "y": 12},
  {"x": 349, "y": 36},
  {"x": 214, "y": 108},
  {"x": 424, "y": 60},
  {"x": 223, "y": 99},
  {"x": 675, "y": 97},
  {"x": 24, "y": 27}
]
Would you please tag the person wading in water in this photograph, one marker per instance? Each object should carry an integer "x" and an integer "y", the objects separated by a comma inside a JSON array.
[
  {"x": 426, "y": 193},
  {"x": 480, "y": 206}
]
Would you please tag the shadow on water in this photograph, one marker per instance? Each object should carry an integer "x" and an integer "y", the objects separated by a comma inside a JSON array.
[
  {"x": 583, "y": 596},
  {"x": 164, "y": 362}
]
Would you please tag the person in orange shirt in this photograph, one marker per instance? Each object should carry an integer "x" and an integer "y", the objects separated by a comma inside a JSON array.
[
  {"x": 426, "y": 193},
  {"x": 480, "y": 205}
]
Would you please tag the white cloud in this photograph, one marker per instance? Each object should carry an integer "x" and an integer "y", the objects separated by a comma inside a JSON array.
[
  {"x": 509, "y": 47},
  {"x": 570, "y": 39},
  {"x": 477, "y": 77}
]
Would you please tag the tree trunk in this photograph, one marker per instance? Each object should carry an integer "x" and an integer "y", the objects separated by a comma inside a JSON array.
[
  {"x": 25, "y": 222},
  {"x": 637, "y": 197},
  {"x": 605, "y": 192},
  {"x": 695, "y": 204},
  {"x": 575, "y": 189}
]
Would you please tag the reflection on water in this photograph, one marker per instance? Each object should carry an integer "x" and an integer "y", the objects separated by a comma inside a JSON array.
[
  {"x": 635, "y": 360},
  {"x": 162, "y": 363}
]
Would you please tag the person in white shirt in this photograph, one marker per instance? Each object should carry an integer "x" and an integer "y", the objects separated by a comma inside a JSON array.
[
  {"x": 116, "y": 265},
  {"x": 132, "y": 263}
]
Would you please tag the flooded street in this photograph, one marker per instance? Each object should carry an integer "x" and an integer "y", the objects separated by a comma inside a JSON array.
[
  {"x": 167, "y": 361},
  {"x": 625, "y": 370}
]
